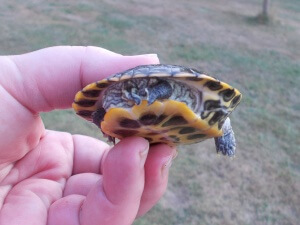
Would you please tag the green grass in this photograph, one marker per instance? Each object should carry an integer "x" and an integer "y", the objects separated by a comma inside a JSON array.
[{"x": 261, "y": 185}]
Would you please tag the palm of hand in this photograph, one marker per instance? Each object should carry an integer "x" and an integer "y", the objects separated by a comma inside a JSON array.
[{"x": 50, "y": 177}]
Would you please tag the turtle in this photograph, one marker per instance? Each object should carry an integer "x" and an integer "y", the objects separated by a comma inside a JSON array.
[{"x": 164, "y": 104}]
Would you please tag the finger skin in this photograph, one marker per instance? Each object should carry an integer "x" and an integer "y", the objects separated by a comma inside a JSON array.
[
  {"x": 88, "y": 154},
  {"x": 115, "y": 199},
  {"x": 36, "y": 181},
  {"x": 156, "y": 170},
  {"x": 81, "y": 184},
  {"x": 49, "y": 78},
  {"x": 66, "y": 211},
  {"x": 157, "y": 167}
]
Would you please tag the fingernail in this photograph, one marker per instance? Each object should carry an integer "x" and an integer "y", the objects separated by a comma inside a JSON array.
[
  {"x": 152, "y": 55},
  {"x": 166, "y": 166}
]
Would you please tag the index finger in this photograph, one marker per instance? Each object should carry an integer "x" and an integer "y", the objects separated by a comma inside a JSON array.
[{"x": 49, "y": 78}]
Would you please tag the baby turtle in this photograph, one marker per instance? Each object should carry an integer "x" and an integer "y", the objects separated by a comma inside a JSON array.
[{"x": 162, "y": 103}]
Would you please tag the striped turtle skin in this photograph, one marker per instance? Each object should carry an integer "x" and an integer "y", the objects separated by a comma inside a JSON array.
[{"x": 162, "y": 103}]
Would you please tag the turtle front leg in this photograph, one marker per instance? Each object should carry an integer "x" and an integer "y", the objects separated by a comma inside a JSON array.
[{"x": 226, "y": 143}]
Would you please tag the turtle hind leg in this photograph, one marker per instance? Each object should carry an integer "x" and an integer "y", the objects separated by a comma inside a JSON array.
[
  {"x": 98, "y": 116},
  {"x": 226, "y": 143}
]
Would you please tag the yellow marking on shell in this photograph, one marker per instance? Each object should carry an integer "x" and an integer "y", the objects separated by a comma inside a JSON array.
[
  {"x": 111, "y": 120},
  {"x": 159, "y": 75},
  {"x": 113, "y": 79},
  {"x": 155, "y": 108},
  {"x": 138, "y": 75},
  {"x": 125, "y": 77},
  {"x": 183, "y": 75},
  {"x": 92, "y": 86},
  {"x": 80, "y": 96}
]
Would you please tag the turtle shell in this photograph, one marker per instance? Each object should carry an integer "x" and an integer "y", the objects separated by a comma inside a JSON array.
[{"x": 188, "y": 106}]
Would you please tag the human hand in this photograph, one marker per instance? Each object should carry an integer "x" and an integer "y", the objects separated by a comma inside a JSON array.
[{"x": 50, "y": 177}]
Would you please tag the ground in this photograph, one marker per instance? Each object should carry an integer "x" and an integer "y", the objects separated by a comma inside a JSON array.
[{"x": 261, "y": 185}]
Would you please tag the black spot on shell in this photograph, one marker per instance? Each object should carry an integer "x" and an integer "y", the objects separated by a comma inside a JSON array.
[
  {"x": 126, "y": 133},
  {"x": 175, "y": 120},
  {"x": 213, "y": 85},
  {"x": 85, "y": 113},
  {"x": 102, "y": 85},
  {"x": 227, "y": 94},
  {"x": 212, "y": 105},
  {"x": 160, "y": 119},
  {"x": 148, "y": 119},
  {"x": 216, "y": 117},
  {"x": 128, "y": 123},
  {"x": 187, "y": 130},
  {"x": 91, "y": 93},
  {"x": 86, "y": 102},
  {"x": 195, "y": 136},
  {"x": 235, "y": 101}
]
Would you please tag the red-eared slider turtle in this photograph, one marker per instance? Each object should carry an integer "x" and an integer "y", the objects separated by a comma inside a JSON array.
[{"x": 162, "y": 103}]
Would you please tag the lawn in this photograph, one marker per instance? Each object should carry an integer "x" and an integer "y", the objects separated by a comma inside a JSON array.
[{"x": 261, "y": 185}]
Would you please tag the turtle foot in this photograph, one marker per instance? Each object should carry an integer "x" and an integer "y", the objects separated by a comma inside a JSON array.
[{"x": 226, "y": 143}]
